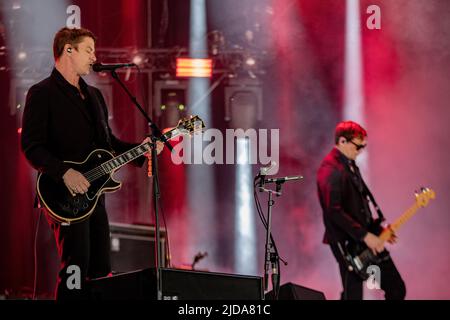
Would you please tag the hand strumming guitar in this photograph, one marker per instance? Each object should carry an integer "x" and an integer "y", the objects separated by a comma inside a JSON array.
[
  {"x": 75, "y": 182},
  {"x": 374, "y": 243}
]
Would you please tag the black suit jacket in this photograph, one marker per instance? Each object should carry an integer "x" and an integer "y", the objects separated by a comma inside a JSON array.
[
  {"x": 346, "y": 212},
  {"x": 58, "y": 125}
]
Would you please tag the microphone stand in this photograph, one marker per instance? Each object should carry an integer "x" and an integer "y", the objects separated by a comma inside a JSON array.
[
  {"x": 271, "y": 255},
  {"x": 156, "y": 133}
]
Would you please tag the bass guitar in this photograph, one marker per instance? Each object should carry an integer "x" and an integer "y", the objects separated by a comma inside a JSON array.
[{"x": 358, "y": 256}]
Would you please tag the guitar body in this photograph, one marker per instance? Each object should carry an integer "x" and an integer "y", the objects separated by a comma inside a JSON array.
[
  {"x": 61, "y": 205},
  {"x": 358, "y": 256},
  {"x": 98, "y": 169}
]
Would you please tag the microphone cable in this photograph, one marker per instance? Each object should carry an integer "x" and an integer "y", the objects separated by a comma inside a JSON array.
[{"x": 35, "y": 258}]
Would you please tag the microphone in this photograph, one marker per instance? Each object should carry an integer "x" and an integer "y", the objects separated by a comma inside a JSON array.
[
  {"x": 99, "y": 67},
  {"x": 283, "y": 179},
  {"x": 262, "y": 173}
]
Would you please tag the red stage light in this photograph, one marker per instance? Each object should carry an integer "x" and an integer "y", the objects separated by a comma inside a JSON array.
[{"x": 200, "y": 68}]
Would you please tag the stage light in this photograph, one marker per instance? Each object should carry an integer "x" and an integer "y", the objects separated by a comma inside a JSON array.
[
  {"x": 250, "y": 61},
  {"x": 22, "y": 55},
  {"x": 244, "y": 220},
  {"x": 173, "y": 98},
  {"x": 169, "y": 94},
  {"x": 138, "y": 59},
  {"x": 249, "y": 35},
  {"x": 243, "y": 103},
  {"x": 170, "y": 101},
  {"x": 16, "y": 5},
  {"x": 197, "y": 68}
]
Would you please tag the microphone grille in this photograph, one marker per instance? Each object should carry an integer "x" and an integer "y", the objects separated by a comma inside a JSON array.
[{"x": 96, "y": 67}]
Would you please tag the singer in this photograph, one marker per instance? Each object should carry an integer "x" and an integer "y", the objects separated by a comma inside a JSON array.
[{"x": 65, "y": 119}]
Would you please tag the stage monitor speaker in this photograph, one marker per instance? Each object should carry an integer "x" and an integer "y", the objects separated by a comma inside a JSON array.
[
  {"x": 133, "y": 247},
  {"x": 291, "y": 291},
  {"x": 177, "y": 285}
]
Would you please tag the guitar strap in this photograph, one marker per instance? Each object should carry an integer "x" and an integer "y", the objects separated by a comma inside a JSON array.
[
  {"x": 370, "y": 195},
  {"x": 372, "y": 199}
]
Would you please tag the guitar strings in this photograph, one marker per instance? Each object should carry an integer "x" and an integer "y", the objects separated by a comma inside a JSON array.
[
  {"x": 100, "y": 171},
  {"x": 94, "y": 174}
]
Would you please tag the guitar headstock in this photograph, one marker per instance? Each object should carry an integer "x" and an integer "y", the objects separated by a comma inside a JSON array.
[
  {"x": 190, "y": 125},
  {"x": 424, "y": 196}
]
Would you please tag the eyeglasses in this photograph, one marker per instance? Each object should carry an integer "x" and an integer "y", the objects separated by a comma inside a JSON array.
[{"x": 358, "y": 146}]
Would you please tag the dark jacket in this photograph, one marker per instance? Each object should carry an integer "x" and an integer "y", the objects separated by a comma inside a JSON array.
[
  {"x": 346, "y": 212},
  {"x": 59, "y": 125}
]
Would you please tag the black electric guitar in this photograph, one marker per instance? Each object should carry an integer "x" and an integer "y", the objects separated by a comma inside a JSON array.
[
  {"x": 358, "y": 256},
  {"x": 98, "y": 169}
]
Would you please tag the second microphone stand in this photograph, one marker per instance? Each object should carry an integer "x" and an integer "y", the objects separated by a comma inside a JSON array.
[
  {"x": 271, "y": 257},
  {"x": 155, "y": 135}
]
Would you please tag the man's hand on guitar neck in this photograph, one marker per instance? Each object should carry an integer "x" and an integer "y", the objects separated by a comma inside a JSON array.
[
  {"x": 374, "y": 243},
  {"x": 75, "y": 182},
  {"x": 393, "y": 238}
]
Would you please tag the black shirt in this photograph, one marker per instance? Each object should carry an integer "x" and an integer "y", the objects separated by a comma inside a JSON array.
[
  {"x": 58, "y": 125},
  {"x": 342, "y": 198}
]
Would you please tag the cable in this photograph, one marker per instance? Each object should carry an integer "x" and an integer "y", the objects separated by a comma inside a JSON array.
[
  {"x": 168, "y": 257},
  {"x": 275, "y": 284},
  {"x": 35, "y": 255},
  {"x": 258, "y": 204},
  {"x": 263, "y": 218}
]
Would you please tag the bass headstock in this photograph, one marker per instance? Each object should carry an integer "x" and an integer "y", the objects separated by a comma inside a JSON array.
[{"x": 424, "y": 196}]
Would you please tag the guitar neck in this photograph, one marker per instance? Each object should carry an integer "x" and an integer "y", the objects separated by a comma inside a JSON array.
[
  {"x": 192, "y": 125},
  {"x": 128, "y": 156},
  {"x": 124, "y": 158},
  {"x": 386, "y": 234}
]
